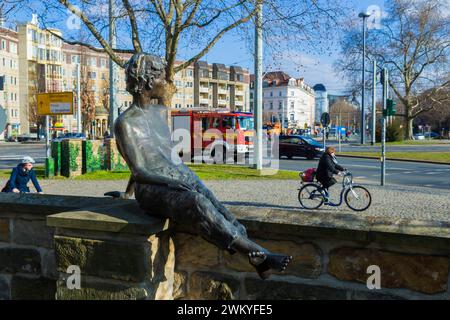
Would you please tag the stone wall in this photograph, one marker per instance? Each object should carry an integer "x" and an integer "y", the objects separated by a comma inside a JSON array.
[
  {"x": 124, "y": 254},
  {"x": 331, "y": 254},
  {"x": 27, "y": 252}
]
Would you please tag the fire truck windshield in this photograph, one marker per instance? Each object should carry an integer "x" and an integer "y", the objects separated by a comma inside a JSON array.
[{"x": 246, "y": 123}]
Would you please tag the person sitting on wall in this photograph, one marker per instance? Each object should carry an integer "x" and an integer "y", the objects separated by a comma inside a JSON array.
[
  {"x": 163, "y": 185},
  {"x": 20, "y": 176}
]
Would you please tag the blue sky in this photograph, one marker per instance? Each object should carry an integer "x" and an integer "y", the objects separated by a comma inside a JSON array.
[{"x": 315, "y": 68}]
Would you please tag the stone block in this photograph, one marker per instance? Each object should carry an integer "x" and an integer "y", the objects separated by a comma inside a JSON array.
[
  {"x": 213, "y": 286},
  {"x": 179, "y": 285},
  {"x": 4, "y": 229},
  {"x": 106, "y": 259},
  {"x": 32, "y": 232},
  {"x": 282, "y": 290},
  {"x": 99, "y": 290},
  {"x": 23, "y": 288},
  {"x": 193, "y": 251},
  {"x": 306, "y": 258},
  {"x": 422, "y": 273},
  {"x": 15, "y": 260}
]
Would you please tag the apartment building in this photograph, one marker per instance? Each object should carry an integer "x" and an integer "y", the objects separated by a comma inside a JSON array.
[
  {"x": 94, "y": 87},
  {"x": 217, "y": 86},
  {"x": 288, "y": 98},
  {"x": 40, "y": 69},
  {"x": 9, "y": 80}
]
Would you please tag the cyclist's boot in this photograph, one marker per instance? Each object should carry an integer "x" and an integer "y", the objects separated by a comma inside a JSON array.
[{"x": 326, "y": 196}]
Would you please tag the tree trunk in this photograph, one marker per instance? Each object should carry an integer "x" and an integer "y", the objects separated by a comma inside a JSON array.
[
  {"x": 409, "y": 128},
  {"x": 166, "y": 100}
]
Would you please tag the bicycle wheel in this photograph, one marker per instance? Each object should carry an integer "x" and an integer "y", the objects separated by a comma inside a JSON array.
[
  {"x": 310, "y": 197},
  {"x": 358, "y": 198}
]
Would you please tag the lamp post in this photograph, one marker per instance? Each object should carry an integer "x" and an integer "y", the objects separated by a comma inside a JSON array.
[{"x": 364, "y": 16}]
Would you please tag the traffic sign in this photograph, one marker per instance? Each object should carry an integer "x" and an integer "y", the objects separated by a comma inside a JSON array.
[
  {"x": 56, "y": 103},
  {"x": 325, "y": 119}
]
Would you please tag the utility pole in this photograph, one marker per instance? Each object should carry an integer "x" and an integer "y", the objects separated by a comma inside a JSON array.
[
  {"x": 112, "y": 70},
  {"x": 258, "y": 86},
  {"x": 79, "y": 129},
  {"x": 374, "y": 103},
  {"x": 364, "y": 16},
  {"x": 282, "y": 118},
  {"x": 384, "y": 78}
]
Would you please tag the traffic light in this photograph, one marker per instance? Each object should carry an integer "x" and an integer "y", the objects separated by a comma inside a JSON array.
[{"x": 390, "y": 108}]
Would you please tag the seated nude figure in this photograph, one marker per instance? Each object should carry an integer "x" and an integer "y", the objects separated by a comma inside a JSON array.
[{"x": 168, "y": 190}]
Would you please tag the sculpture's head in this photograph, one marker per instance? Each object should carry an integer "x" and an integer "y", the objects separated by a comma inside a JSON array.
[{"x": 145, "y": 75}]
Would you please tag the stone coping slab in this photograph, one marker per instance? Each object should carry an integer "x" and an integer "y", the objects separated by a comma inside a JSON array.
[
  {"x": 123, "y": 216},
  {"x": 106, "y": 214},
  {"x": 284, "y": 221},
  {"x": 42, "y": 204}
]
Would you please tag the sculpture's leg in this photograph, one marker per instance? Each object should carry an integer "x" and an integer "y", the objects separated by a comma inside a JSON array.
[
  {"x": 222, "y": 209},
  {"x": 215, "y": 228}
]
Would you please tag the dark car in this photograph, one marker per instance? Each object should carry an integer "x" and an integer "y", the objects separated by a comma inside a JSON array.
[{"x": 300, "y": 146}]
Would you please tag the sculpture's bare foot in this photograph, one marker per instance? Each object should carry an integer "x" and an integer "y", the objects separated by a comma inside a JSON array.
[
  {"x": 263, "y": 262},
  {"x": 117, "y": 195}
]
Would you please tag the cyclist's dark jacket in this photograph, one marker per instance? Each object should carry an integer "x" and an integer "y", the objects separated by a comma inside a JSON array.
[
  {"x": 20, "y": 178},
  {"x": 327, "y": 167}
]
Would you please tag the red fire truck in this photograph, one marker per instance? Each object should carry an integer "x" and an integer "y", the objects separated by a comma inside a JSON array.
[{"x": 220, "y": 132}]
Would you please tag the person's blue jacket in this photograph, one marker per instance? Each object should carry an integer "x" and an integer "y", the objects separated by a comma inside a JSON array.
[{"x": 20, "y": 178}]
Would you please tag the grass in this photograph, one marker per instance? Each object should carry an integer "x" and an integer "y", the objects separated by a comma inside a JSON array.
[
  {"x": 426, "y": 156},
  {"x": 415, "y": 142},
  {"x": 204, "y": 171}
]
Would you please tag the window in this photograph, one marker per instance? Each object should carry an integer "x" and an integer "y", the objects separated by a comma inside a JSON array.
[
  {"x": 292, "y": 117},
  {"x": 228, "y": 123},
  {"x": 292, "y": 93},
  {"x": 103, "y": 62},
  {"x": 280, "y": 93},
  {"x": 190, "y": 73},
  {"x": 205, "y": 123},
  {"x": 280, "y": 105},
  {"x": 271, "y": 94},
  {"x": 216, "y": 123},
  {"x": 271, "y": 106},
  {"x": 75, "y": 58},
  {"x": 4, "y": 45},
  {"x": 13, "y": 47}
]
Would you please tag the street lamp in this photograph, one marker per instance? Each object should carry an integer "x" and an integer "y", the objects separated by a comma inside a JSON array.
[{"x": 364, "y": 16}]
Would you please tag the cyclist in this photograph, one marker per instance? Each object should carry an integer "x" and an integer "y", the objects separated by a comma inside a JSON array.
[
  {"x": 21, "y": 175},
  {"x": 328, "y": 166}
]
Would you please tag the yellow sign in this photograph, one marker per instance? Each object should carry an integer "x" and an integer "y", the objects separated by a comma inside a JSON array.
[{"x": 55, "y": 103}]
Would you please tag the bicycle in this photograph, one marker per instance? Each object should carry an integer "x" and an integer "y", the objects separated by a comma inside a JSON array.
[{"x": 311, "y": 195}]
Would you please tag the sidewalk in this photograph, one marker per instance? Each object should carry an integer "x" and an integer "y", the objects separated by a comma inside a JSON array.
[{"x": 391, "y": 201}]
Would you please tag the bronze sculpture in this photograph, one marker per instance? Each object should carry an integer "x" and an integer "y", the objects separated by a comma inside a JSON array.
[{"x": 168, "y": 190}]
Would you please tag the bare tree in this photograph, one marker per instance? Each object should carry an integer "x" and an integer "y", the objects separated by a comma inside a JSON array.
[
  {"x": 414, "y": 44},
  {"x": 194, "y": 27}
]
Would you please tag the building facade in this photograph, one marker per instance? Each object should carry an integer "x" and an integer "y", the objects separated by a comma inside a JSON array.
[
  {"x": 9, "y": 81},
  {"x": 286, "y": 98},
  {"x": 321, "y": 101},
  {"x": 212, "y": 86}
]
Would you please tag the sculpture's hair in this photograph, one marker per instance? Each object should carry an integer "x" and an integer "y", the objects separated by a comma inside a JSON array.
[{"x": 142, "y": 70}]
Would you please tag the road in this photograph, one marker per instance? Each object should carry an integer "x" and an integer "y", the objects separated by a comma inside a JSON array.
[
  {"x": 11, "y": 153},
  {"x": 398, "y": 173}
]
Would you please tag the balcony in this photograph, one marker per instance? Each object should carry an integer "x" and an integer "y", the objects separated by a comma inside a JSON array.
[
  {"x": 223, "y": 91},
  {"x": 239, "y": 103},
  {"x": 204, "y": 89},
  {"x": 239, "y": 92},
  {"x": 204, "y": 101},
  {"x": 221, "y": 102}
]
